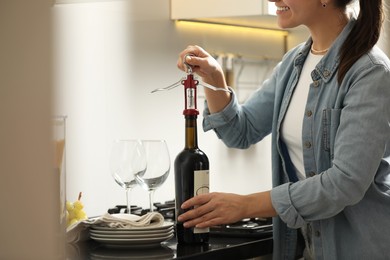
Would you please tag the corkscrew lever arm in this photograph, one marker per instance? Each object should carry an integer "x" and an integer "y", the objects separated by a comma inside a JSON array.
[
  {"x": 178, "y": 83},
  {"x": 174, "y": 85},
  {"x": 204, "y": 84},
  {"x": 189, "y": 72}
]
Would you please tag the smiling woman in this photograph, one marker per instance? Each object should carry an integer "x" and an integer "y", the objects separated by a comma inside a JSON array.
[{"x": 327, "y": 109}]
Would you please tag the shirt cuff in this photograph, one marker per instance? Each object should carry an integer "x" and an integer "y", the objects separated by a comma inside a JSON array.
[
  {"x": 281, "y": 201},
  {"x": 215, "y": 120}
]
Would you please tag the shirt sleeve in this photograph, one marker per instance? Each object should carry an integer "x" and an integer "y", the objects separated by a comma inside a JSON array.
[
  {"x": 241, "y": 125},
  {"x": 216, "y": 120}
]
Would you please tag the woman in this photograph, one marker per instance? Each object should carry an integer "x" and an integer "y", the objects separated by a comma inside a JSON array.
[{"x": 327, "y": 107}]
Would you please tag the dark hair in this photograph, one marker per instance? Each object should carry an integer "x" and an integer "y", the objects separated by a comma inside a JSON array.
[{"x": 364, "y": 34}]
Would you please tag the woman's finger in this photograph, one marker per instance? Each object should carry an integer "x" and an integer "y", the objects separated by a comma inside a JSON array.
[
  {"x": 202, "y": 220},
  {"x": 197, "y": 200},
  {"x": 196, "y": 212}
]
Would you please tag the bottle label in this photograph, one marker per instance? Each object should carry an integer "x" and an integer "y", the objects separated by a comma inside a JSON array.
[{"x": 201, "y": 186}]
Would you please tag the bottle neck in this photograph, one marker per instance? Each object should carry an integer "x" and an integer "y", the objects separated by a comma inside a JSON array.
[{"x": 191, "y": 136}]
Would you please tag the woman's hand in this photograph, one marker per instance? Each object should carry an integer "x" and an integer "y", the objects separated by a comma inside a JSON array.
[
  {"x": 212, "y": 209},
  {"x": 208, "y": 68},
  {"x": 203, "y": 64},
  {"x": 224, "y": 208}
]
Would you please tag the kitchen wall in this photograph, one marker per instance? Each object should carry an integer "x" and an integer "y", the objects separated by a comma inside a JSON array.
[
  {"x": 109, "y": 56},
  {"x": 384, "y": 39}
]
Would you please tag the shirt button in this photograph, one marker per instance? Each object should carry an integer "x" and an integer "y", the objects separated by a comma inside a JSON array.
[
  {"x": 326, "y": 73},
  {"x": 317, "y": 233},
  {"x": 309, "y": 113},
  {"x": 316, "y": 83},
  {"x": 307, "y": 144},
  {"x": 311, "y": 174}
]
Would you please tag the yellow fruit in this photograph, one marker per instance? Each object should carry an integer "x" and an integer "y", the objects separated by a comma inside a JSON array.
[
  {"x": 80, "y": 215},
  {"x": 72, "y": 214},
  {"x": 73, "y": 221},
  {"x": 78, "y": 205},
  {"x": 75, "y": 212},
  {"x": 69, "y": 205}
]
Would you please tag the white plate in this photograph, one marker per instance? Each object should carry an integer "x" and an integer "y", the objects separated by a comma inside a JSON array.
[
  {"x": 131, "y": 242},
  {"x": 166, "y": 225},
  {"x": 130, "y": 232},
  {"x": 131, "y": 236}
]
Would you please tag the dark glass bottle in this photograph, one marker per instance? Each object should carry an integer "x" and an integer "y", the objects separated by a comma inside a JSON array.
[{"x": 191, "y": 178}]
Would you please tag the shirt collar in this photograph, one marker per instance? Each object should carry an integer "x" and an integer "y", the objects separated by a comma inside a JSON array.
[{"x": 328, "y": 65}]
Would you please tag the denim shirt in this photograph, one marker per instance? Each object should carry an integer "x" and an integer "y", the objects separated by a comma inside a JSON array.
[{"x": 345, "y": 199}]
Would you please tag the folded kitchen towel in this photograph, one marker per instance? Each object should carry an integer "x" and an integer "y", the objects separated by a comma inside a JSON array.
[{"x": 80, "y": 230}]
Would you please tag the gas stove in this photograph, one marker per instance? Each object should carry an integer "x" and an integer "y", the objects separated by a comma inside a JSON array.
[
  {"x": 250, "y": 227},
  {"x": 167, "y": 209}
]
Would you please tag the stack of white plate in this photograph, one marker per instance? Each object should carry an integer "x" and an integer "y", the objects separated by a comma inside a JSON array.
[{"x": 132, "y": 237}]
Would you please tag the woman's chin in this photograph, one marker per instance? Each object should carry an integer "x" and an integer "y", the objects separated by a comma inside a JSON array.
[{"x": 285, "y": 26}]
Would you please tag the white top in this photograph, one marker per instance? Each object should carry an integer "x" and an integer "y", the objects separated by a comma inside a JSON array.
[{"x": 291, "y": 129}]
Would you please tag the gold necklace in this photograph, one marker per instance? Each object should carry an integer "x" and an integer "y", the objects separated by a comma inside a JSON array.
[{"x": 314, "y": 51}]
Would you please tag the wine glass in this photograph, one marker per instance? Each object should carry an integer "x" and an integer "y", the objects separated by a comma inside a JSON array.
[
  {"x": 127, "y": 159},
  {"x": 159, "y": 164}
]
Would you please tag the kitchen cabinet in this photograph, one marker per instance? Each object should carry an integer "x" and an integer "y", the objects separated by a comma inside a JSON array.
[{"x": 249, "y": 13}]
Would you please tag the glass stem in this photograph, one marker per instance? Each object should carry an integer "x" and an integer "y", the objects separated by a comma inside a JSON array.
[
  {"x": 151, "y": 193},
  {"x": 128, "y": 200}
]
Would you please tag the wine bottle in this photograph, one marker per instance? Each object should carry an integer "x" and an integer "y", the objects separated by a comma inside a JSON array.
[{"x": 191, "y": 170}]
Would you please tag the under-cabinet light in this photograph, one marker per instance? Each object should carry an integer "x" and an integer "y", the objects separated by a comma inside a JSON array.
[{"x": 236, "y": 27}]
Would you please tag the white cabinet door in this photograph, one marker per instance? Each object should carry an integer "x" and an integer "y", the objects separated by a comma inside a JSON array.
[{"x": 195, "y": 9}]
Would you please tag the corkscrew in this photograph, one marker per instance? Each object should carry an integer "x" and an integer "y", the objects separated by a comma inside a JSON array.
[{"x": 187, "y": 78}]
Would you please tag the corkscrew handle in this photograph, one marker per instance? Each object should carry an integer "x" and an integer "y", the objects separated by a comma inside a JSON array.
[{"x": 188, "y": 66}]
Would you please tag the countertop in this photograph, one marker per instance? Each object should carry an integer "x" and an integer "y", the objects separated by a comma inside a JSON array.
[{"x": 219, "y": 247}]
